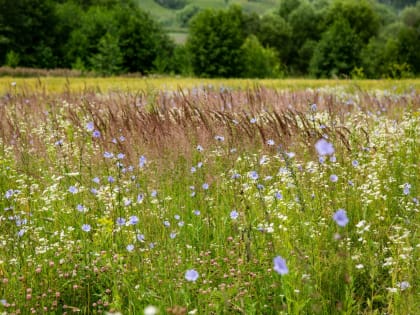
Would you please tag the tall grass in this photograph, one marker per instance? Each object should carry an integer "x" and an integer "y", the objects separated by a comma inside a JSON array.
[{"x": 114, "y": 202}]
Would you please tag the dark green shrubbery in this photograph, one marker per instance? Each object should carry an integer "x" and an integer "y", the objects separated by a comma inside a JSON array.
[{"x": 107, "y": 36}]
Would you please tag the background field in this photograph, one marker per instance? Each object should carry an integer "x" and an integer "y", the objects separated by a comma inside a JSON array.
[{"x": 57, "y": 84}]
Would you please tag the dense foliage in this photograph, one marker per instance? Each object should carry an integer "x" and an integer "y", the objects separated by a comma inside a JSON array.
[
  {"x": 319, "y": 38},
  {"x": 108, "y": 36}
]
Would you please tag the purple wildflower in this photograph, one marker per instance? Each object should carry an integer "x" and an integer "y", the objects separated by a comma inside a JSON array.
[
  {"x": 340, "y": 217},
  {"x": 280, "y": 265},
  {"x": 9, "y": 193},
  {"x": 86, "y": 227},
  {"x": 324, "y": 147},
  {"x": 142, "y": 161},
  {"x": 120, "y": 221},
  {"x": 191, "y": 275},
  {"x": 108, "y": 155},
  {"x": 334, "y": 178},
  {"x": 133, "y": 220},
  {"x": 406, "y": 188},
  {"x": 130, "y": 247},
  {"x": 73, "y": 189},
  {"x": 253, "y": 175},
  {"x": 90, "y": 126},
  {"x": 234, "y": 214}
]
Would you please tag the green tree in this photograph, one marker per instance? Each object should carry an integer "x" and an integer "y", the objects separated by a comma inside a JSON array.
[
  {"x": 359, "y": 14},
  {"x": 258, "y": 62},
  {"x": 287, "y": 7},
  {"x": 396, "y": 51},
  {"x": 350, "y": 26},
  {"x": 27, "y": 28},
  {"x": 83, "y": 41},
  {"x": 142, "y": 41},
  {"x": 66, "y": 12},
  {"x": 109, "y": 58},
  {"x": 214, "y": 43},
  {"x": 123, "y": 31},
  {"x": 12, "y": 59},
  {"x": 180, "y": 61},
  {"x": 337, "y": 53},
  {"x": 307, "y": 24},
  {"x": 276, "y": 33}
]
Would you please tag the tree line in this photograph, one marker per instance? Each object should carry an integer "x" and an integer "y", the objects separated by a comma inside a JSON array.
[{"x": 317, "y": 38}]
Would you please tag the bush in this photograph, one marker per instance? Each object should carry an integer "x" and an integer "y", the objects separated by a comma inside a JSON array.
[
  {"x": 214, "y": 43},
  {"x": 12, "y": 59},
  {"x": 259, "y": 62},
  {"x": 108, "y": 60},
  {"x": 338, "y": 51}
]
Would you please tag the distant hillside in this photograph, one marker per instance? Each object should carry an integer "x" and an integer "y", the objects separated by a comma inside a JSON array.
[
  {"x": 175, "y": 14},
  {"x": 176, "y": 20}
]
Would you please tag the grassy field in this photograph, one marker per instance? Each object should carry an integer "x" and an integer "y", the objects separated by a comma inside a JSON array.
[
  {"x": 181, "y": 196},
  {"x": 149, "y": 84}
]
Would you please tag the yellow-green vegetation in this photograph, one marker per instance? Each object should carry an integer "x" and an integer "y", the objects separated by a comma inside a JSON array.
[
  {"x": 75, "y": 84},
  {"x": 182, "y": 197}
]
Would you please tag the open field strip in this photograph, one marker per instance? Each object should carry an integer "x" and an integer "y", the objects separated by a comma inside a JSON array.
[
  {"x": 185, "y": 196},
  {"x": 61, "y": 84}
]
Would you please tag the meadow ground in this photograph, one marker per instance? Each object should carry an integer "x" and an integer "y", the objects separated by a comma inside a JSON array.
[
  {"x": 209, "y": 196},
  {"x": 151, "y": 85}
]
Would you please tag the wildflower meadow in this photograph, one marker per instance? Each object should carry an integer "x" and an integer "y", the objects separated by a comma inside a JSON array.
[{"x": 210, "y": 200}]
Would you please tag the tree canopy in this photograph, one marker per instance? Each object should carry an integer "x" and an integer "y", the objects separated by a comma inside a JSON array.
[
  {"x": 108, "y": 36},
  {"x": 318, "y": 38}
]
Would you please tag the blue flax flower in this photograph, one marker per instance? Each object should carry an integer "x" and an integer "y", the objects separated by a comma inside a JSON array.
[
  {"x": 340, "y": 217},
  {"x": 191, "y": 275},
  {"x": 324, "y": 147},
  {"x": 280, "y": 265},
  {"x": 86, "y": 227}
]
